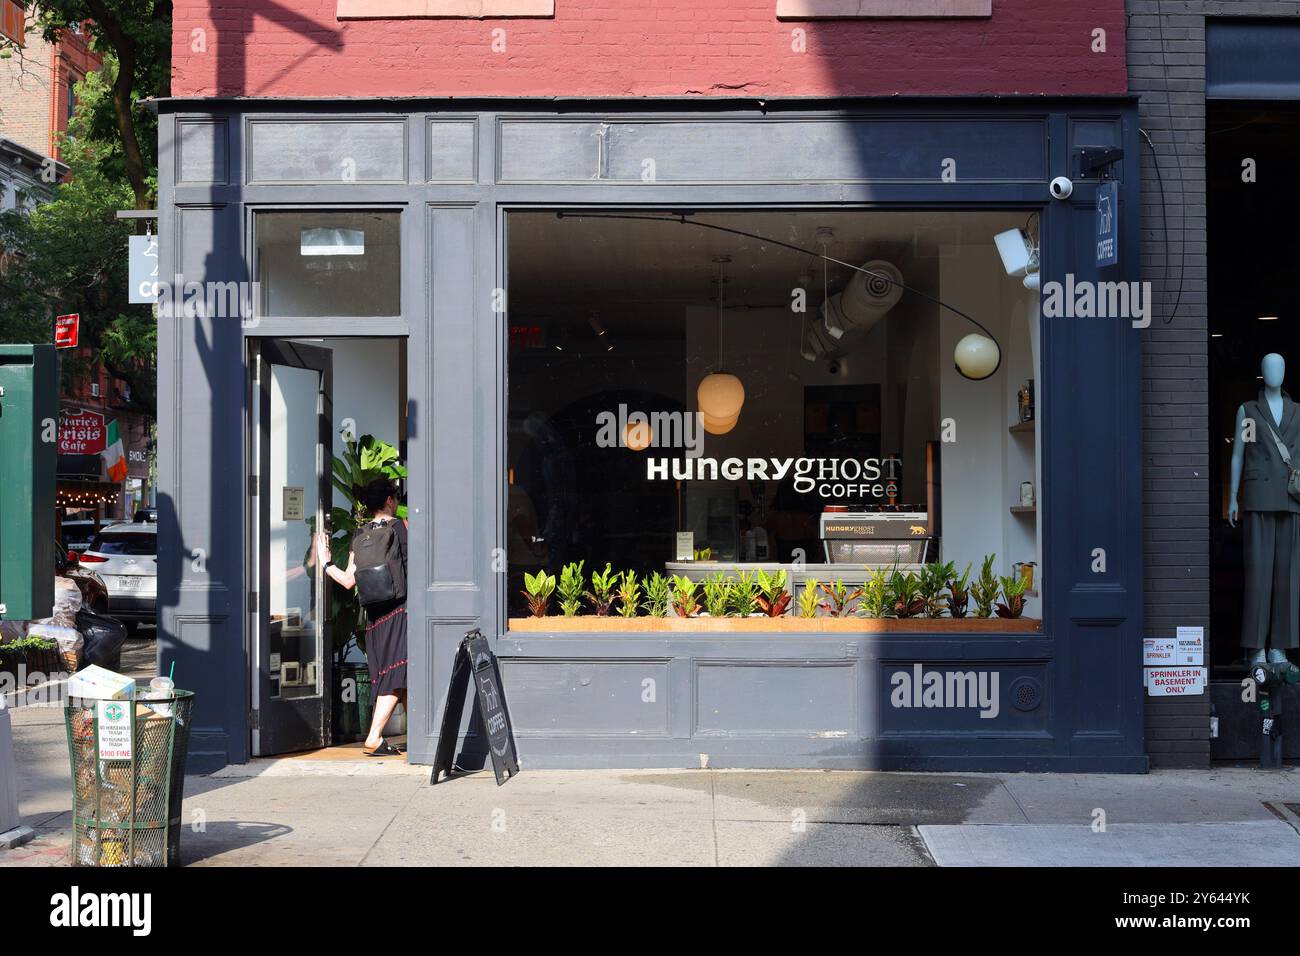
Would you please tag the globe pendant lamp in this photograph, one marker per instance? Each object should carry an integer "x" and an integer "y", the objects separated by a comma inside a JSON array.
[
  {"x": 720, "y": 395},
  {"x": 977, "y": 356}
]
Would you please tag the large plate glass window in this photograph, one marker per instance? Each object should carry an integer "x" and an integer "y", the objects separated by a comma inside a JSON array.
[{"x": 693, "y": 403}]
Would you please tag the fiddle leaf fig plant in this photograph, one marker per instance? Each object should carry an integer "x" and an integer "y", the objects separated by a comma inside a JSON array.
[
  {"x": 538, "y": 589},
  {"x": 570, "y": 591}
]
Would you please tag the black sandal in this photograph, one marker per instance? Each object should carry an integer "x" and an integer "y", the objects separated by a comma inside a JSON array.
[{"x": 385, "y": 749}]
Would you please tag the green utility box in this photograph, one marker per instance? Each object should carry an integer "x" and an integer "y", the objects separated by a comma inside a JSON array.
[{"x": 29, "y": 447}]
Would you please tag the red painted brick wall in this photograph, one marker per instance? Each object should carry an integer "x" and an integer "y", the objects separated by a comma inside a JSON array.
[
  {"x": 643, "y": 48},
  {"x": 34, "y": 90}
]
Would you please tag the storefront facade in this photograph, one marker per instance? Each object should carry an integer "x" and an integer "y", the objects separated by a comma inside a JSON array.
[{"x": 445, "y": 179}]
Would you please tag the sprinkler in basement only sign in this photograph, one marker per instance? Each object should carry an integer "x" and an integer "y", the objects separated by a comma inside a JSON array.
[{"x": 1174, "y": 666}]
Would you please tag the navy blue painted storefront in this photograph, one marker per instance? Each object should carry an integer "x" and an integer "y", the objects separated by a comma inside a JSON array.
[{"x": 1070, "y": 694}]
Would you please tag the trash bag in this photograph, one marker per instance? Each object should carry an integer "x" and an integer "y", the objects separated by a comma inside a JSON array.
[{"x": 103, "y": 637}]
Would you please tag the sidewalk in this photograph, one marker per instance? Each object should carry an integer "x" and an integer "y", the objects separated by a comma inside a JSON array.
[{"x": 332, "y": 809}]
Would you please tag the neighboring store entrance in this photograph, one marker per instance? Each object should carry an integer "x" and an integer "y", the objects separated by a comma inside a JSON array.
[{"x": 289, "y": 449}]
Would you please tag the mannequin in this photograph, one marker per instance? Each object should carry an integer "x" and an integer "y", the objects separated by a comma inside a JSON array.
[{"x": 1270, "y": 517}]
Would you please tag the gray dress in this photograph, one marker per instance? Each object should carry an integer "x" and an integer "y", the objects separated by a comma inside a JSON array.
[{"x": 1270, "y": 522}]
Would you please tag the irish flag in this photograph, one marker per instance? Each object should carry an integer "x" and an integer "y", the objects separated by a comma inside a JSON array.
[{"x": 114, "y": 456}]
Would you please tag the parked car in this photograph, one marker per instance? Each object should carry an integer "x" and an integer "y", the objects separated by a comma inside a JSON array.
[
  {"x": 126, "y": 557},
  {"x": 94, "y": 593},
  {"x": 102, "y": 636},
  {"x": 78, "y": 533}
]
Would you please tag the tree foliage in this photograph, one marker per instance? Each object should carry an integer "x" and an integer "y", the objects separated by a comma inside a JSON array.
[
  {"x": 135, "y": 35},
  {"x": 69, "y": 255}
]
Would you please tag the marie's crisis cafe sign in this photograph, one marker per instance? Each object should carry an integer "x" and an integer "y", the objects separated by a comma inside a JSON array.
[{"x": 81, "y": 432}]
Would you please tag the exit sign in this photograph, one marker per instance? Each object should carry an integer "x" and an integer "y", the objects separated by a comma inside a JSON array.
[{"x": 66, "y": 329}]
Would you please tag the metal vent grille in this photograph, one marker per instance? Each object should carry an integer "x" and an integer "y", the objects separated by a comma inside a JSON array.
[{"x": 1026, "y": 693}]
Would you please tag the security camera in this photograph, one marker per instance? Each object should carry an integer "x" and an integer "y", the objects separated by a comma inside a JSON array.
[{"x": 1061, "y": 187}]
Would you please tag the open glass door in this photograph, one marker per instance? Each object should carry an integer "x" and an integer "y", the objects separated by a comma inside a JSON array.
[{"x": 291, "y": 454}]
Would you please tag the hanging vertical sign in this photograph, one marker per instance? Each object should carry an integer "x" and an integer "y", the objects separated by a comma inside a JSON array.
[
  {"x": 142, "y": 269},
  {"x": 1108, "y": 223}
]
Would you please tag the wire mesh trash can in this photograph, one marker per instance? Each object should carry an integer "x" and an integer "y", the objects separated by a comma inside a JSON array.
[{"x": 128, "y": 775}]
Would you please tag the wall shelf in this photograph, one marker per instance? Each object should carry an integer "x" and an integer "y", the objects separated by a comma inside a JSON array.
[
  {"x": 1024, "y": 509},
  {"x": 1022, "y": 428}
]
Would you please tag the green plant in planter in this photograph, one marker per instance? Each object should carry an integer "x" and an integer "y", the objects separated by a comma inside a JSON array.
[
  {"x": 717, "y": 594},
  {"x": 657, "y": 588},
  {"x": 571, "y": 581},
  {"x": 932, "y": 581},
  {"x": 773, "y": 598},
  {"x": 744, "y": 595},
  {"x": 684, "y": 600},
  {"x": 601, "y": 595},
  {"x": 905, "y": 594},
  {"x": 809, "y": 599},
  {"x": 959, "y": 592},
  {"x": 838, "y": 597},
  {"x": 985, "y": 588},
  {"x": 1013, "y": 596},
  {"x": 538, "y": 589},
  {"x": 629, "y": 594},
  {"x": 875, "y": 593}
]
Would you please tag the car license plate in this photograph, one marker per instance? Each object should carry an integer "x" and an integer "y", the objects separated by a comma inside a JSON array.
[{"x": 128, "y": 582}]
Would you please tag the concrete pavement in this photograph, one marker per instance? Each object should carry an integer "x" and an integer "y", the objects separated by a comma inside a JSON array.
[{"x": 337, "y": 809}]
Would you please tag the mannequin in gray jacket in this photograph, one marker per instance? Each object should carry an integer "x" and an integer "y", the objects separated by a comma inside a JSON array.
[{"x": 1270, "y": 517}]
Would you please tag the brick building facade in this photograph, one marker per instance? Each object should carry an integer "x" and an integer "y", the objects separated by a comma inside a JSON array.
[
  {"x": 37, "y": 89},
  {"x": 1167, "y": 68}
]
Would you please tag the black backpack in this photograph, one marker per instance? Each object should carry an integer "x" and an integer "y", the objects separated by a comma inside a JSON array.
[{"x": 380, "y": 574}]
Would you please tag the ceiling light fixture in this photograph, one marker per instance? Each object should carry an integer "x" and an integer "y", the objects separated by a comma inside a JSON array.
[{"x": 720, "y": 395}]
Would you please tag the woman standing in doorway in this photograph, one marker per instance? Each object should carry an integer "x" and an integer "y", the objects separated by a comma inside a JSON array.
[{"x": 386, "y": 620}]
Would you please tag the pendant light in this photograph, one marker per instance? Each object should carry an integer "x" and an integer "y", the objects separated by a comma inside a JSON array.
[{"x": 720, "y": 395}]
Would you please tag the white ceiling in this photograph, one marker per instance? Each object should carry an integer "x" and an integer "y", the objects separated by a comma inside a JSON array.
[{"x": 579, "y": 265}]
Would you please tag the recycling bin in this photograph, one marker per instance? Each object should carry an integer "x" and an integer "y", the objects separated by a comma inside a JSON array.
[{"x": 128, "y": 777}]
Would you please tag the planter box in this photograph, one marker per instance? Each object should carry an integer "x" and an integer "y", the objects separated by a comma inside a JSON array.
[{"x": 556, "y": 624}]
